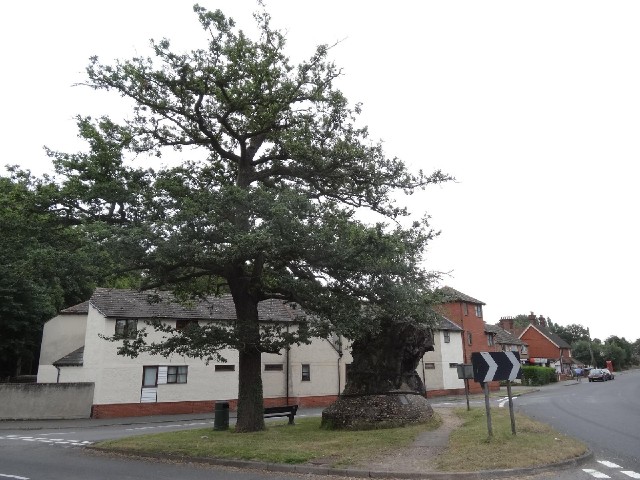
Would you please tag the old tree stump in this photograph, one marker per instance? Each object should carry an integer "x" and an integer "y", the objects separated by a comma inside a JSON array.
[{"x": 383, "y": 389}]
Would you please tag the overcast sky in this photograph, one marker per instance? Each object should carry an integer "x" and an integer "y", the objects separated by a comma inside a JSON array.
[{"x": 534, "y": 107}]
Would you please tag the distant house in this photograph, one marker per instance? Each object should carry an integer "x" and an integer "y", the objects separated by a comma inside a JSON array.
[
  {"x": 545, "y": 347},
  {"x": 440, "y": 367},
  {"x": 506, "y": 341},
  {"x": 307, "y": 375},
  {"x": 466, "y": 312}
]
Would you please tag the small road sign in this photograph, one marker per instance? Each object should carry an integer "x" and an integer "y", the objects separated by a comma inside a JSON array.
[{"x": 490, "y": 366}]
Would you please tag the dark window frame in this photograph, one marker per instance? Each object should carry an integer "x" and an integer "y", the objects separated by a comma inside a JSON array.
[
  {"x": 273, "y": 367},
  {"x": 126, "y": 327},
  {"x": 144, "y": 376},
  {"x": 490, "y": 340},
  {"x": 465, "y": 308},
  {"x": 182, "y": 324},
  {"x": 447, "y": 336},
  {"x": 225, "y": 367},
  {"x": 177, "y": 373},
  {"x": 479, "y": 311},
  {"x": 469, "y": 338},
  {"x": 305, "y": 373},
  {"x": 429, "y": 366}
]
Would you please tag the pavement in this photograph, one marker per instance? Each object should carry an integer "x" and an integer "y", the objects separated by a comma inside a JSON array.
[{"x": 440, "y": 439}]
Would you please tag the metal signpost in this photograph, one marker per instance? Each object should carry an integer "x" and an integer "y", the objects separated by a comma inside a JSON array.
[
  {"x": 492, "y": 366},
  {"x": 465, "y": 372}
]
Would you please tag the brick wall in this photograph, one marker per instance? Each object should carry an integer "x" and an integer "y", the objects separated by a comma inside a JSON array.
[
  {"x": 470, "y": 323},
  {"x": 539, "y": 345},
  {"x": 119, "y": 410}
]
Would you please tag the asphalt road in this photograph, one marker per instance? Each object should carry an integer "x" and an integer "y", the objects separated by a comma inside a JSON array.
[{"x": 604, "y": 415}]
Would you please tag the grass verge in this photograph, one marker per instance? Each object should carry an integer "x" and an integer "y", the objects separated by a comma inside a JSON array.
[
  {"x": 470, "y": 448},
  {"x": 279, "y": 443},
  {"x": 535, "y": 443}
]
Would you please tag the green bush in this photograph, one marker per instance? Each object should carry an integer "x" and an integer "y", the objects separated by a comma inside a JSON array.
[{"x": 538, "y": 375}]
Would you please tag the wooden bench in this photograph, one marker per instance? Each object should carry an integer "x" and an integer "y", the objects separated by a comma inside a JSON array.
[{"x": 284, "y": 411}]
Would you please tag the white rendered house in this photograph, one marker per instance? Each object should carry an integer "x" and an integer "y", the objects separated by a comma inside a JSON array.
[{"x": 307, "y": 375}]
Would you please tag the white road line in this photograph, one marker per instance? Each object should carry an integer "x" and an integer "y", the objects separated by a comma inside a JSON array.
[
  {"x": 609, "y": 464},
  {"x": 630, "y": 473},
  {"x": 13, "y": 476},
  {"x": 595, "y": 473}
]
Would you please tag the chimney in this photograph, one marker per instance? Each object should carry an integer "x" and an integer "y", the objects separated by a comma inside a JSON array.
[
  {"x": 506, "y": 323},
  {"x": 543, "y": 322},
  {"x": 532, "y": 319}
]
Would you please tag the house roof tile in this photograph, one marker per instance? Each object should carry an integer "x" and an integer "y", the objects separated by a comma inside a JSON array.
[
  {"x": 73, "y": 359},
  {"x": 452, "y": 295},
  {"x": 120, "y": 303},
  {"x": 445, "y": 324},
  {"x": 77, "y": 309},
  {"x": 502, "y": 336}
]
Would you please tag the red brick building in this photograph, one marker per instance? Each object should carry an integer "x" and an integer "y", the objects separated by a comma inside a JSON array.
[
  {"x": 546, "y": 347},
  {"x": 466, "y": 312}
]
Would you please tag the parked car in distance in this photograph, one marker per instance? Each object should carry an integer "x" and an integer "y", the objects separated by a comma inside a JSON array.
[
  {"x": 598, "y": 375},
  {"x": 608, "y": 374}
]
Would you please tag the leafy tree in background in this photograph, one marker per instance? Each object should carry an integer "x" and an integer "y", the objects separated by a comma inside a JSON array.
[
  {"x": 571, "y": 333},
  {"x": 45, "y": 267},
  {"x": 271, "y": 209}
]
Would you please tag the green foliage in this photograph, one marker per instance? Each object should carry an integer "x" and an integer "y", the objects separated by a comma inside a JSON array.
[
  {"x": 45, "y": 266},
  {"x": 271, "y": 208},
  {"x": 571, "y": 333},
  {"x": 538, "y": 375}
]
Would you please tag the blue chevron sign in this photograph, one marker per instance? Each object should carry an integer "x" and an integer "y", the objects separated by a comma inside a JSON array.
[{"x": 490, "y": 366}]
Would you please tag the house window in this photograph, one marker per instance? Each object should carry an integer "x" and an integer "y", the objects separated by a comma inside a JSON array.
[
  {"x": 465, "y": 309},
  {"x": 429, "y": 366},
  {"x": 273, "y": 367},
  {"x": 223, "y": 367},
  {"x": 182, "y": 324},
  {"x": 177, "y": 374},
  {"x": 490, "y": 340},
  {"x": 523, "y": 349},
  {"x": 149, "y": 376},
  {"x": 126, "y": 327},
  {"x": 479, "y": 311},
  {"x": 469, "y": 338},
  {"x": 447, "y": 336},
  {"x": 306, "y": 372},
  {"x": 453, "y": 365}
]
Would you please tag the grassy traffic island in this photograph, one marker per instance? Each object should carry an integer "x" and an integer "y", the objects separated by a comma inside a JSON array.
[{"x": 535, "y": 444}]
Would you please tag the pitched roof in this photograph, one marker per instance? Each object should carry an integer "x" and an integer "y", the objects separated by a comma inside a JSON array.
[
  {"x": 120, "y": 303},
  {"x": 73, "y": 359},
  {"x": 445, "y": 324},
  {"x": 77, "y": 309},
  {"x": 502, "y": 336},
  {"x": 560, "y": 343},
  {"x": 452, "y": 295}
]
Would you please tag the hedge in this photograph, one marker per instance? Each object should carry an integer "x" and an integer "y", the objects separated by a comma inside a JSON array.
[{"x": 538, "y": 375}]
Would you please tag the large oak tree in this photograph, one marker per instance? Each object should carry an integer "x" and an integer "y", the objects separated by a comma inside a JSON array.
[{"x": 271, "y": 207}]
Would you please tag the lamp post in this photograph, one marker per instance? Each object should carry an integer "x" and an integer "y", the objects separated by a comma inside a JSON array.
[{"x": 593, "y": 362}]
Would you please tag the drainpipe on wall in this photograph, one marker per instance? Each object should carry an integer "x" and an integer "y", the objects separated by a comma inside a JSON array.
[
  {"x": 58, "y": 377},
  {"x": 339, "y": 358},
  {"x": 288, "y": 368}
]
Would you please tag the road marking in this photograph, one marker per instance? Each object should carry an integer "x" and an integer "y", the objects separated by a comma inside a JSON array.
[
  {"x": 48, "y": 441},
  {"x": 631, "y": 474},
  {"x": 13, "y": 476},
  {"x": 503, "y": 401},
  {"x": 595, "y": 473},
  {"x": 609, "y": 464}
]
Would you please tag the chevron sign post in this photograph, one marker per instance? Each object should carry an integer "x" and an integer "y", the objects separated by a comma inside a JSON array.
[{"x": 491, "y": 366}]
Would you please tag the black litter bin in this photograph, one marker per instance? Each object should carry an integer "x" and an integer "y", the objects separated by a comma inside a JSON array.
[{"x": 221, "y": 419}]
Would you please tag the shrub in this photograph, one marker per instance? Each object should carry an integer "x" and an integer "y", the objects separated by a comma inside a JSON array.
[{"x": 538, "y": 375}]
